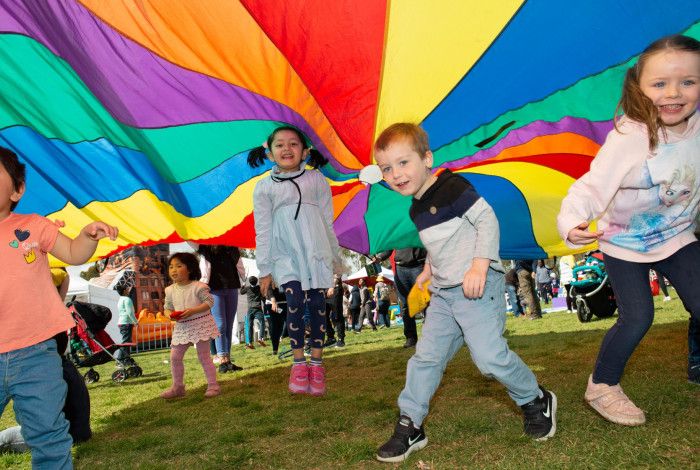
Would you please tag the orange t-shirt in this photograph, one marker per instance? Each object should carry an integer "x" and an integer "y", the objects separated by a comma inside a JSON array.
[{"x": 30, "y": 309}]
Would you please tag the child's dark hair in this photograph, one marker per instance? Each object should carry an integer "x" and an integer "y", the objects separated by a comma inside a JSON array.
[
  {"x": 634, "y": 103},
  {"x": 258, "y": 155},
  {"x": 253, "y": 280},
  {"x": 14, "y": 168},
  {"x": 121, "y": 289},
  {"x": 191, "y": 261}
]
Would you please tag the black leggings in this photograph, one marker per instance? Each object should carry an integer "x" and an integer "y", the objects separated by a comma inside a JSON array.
[{"x": 630, "y": 281}]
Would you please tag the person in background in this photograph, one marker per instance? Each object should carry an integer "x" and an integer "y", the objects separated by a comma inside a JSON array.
[
  {"x": 365, "y": 307},
  {"x": 525, "y": 269},
  {"x": 512, "y": 290},
  {"x": 126, "y": 321},
  {"x": 382, "y": 299},
  {"x": 223, "y": 279},
  {"x": 278, "y": 315},
  {"x": 355, "y": 307},
  {"x": 544, "y": 282},
  {"x": 338, "y": 310},
  {"x": 408, "y": 264},
  {"x": 566, "y": 277},
  {"x": 255, "y": 312}
]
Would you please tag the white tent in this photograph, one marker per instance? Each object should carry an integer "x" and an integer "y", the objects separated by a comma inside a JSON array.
[{"x": 362, "y": 274}]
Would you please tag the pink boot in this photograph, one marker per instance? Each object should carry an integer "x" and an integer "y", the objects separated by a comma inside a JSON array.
[
  {"x": 317, "y": 380},
  {"x": 299, "y": 378},
  {"x": 173, "y": 392}
]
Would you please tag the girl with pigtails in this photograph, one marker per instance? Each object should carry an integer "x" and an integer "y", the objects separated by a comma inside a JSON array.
[{"x": 295, "y": 244}]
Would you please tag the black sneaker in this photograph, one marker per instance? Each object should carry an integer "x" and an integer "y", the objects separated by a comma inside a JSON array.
[
  {"x": 329, "y": 342},
  {"x": 340, "y": 344},
  {"x": 541, "y": 416},
  {"x": 233, "y": 367},
  {"x": 694, "y": 374},
  {"x": 410, "y": 343},
  {"x": 405, "y": 440},
  {"x": 223, "y": 368}
]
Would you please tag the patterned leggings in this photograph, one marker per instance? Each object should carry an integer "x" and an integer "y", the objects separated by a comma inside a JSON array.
[{"x": 297, "y": 301}]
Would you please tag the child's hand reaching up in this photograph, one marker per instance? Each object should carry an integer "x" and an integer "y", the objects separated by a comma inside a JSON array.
[
  {"x": 475, "y": 278},
  {"x": 99, "y": 230},
  {"x": 581, "y": 236}
]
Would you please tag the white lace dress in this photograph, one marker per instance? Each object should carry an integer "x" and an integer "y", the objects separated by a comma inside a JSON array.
[{"x": 199, "y": 327}]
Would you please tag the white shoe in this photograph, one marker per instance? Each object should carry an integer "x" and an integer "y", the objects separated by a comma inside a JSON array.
[{"x": 667, "y": 298}]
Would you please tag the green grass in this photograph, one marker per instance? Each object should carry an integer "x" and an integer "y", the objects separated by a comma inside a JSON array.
[{"x": 255, "y": 423}]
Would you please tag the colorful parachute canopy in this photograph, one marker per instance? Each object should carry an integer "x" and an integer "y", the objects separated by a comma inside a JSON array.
[{"x": 141, "y": 113}]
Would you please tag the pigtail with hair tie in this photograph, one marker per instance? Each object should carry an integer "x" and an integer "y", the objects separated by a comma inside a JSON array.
[
  {"x": 257, "y": 157},
  {"x": 316, "y": 159}
]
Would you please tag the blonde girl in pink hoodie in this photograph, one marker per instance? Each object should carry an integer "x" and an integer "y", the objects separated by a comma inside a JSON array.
[{"x": 643, "y": 190}]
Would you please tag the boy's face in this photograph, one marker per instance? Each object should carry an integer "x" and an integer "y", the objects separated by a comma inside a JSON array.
[
  {"x": 8, "y": 193},
  {"x": 407, "y": 172}
]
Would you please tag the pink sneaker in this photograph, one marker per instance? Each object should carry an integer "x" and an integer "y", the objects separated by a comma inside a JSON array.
[
  {"x": 612, "y": 404},
  {"x": 173, "y": 392},
  {"x": 212, "y": 391},
  {"x": 299, "y": 378},
  {"x": 317, "y": 380}
]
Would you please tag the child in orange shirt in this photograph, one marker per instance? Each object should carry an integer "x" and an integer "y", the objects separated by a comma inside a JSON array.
[{"x": 31, "y": 313}]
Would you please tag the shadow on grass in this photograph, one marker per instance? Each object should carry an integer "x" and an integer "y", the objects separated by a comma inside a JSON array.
[{"x": 255, "y": 423}]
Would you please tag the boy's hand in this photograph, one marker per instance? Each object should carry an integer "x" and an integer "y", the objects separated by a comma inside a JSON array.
[
  {"x": 422, "y": 278},
  {"x": 99, "y": 230},
  {"x": 581, "y": 236},
  {"x": 475, "y": 279},
  {"x": 264, "y": 283}
]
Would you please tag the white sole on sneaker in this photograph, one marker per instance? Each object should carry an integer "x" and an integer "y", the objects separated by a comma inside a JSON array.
[
  {"x": 614, "y": 419},
  {"x": 400, "y": 458},
  {"x": 554, "y": 419}
]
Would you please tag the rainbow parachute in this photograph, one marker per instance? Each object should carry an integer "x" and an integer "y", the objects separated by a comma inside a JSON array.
[{"x": 141, "y": 113}]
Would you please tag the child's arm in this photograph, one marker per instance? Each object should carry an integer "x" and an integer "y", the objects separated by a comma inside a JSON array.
[
  {"x": 481, "y": 215},
  {"x": 325, "y": 200},
  {"x": 262, "y": 208},
  {"x": 592, "y": 193},
  {"x": 204, "y": 295},
  {"x": 79, "y": 249},
  {"x": 168, "y": 306},
  {"x": 475, "y": 278},
  {"x": 425, "y": 275}
]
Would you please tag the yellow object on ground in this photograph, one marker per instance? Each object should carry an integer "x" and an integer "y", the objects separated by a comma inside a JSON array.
[{"x": 418, "y": 299}]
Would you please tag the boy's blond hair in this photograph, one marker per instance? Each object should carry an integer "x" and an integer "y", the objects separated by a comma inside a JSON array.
[{"x": 404, "y": 130}]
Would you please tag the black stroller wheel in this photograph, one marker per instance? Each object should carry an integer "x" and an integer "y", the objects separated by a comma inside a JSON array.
[
  {"x": 91, "y": 376},
  {"x": 119, "y": 375},
  {"x": 583, "y": 311},
  {"x": 134, "y": 371}
]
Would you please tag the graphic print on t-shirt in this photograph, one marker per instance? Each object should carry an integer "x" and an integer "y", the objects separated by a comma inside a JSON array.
[{"x": 26, "y": 245}]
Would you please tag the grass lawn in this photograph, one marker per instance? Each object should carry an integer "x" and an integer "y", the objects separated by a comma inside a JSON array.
[{"x": 255, "y": 423}]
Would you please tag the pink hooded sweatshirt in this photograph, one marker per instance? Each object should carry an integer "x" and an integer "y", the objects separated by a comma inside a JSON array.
[{"x": 646, "y": 202}]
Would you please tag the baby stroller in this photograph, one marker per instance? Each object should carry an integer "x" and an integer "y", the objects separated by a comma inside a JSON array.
[
  {"x": 89, "y": 345},
  {"x": 591, "y": 290}
]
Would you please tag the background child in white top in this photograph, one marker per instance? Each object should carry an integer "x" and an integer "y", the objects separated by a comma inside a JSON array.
[{"x": 643, "y": 187}]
